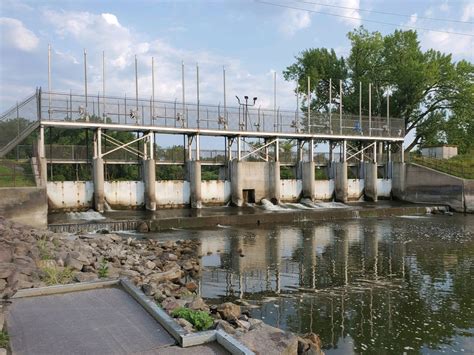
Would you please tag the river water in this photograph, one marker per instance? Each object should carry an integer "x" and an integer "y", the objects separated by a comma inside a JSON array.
[{"x": 391, "y": 285}]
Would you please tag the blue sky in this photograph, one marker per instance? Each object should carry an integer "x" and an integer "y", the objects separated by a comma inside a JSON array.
[{"x": 249, "y": 38}]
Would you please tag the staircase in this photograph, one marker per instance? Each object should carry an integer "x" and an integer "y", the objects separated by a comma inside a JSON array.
[{"x": 17, "y": 123}]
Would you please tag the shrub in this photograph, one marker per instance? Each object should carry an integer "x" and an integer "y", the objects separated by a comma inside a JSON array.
[
  {"x": 199, "y": 319},
  {"x": 44, "y": 250},
  {"x": 4, "y": 339},
  {"x": 56, "y": 276},
  {"x": 103, "y": 270}
]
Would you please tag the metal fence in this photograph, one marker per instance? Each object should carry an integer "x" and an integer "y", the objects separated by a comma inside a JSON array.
[
  {"x": 461, "y": 167},
  {"x": 140, "y": 112},
  {"x": 16, "y": 173}
]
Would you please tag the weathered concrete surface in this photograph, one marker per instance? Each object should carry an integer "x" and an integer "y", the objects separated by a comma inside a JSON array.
[
  {"x": 215, "y": 192},
  {"x": 125, "y": 194},
  {"x": 98, "y": 179},
  {"x": 384, "y": 188},
  {"x": 70, "y": 195},
  {"x": 149, "y": 169},
  {"x": 27, "y": 205},
  {"x": 425, "y": 185},
  {"x": 341, "y": 184},
  {"x": 290, "y": 190},
  {"x": 370, "y": 181},
  {"x": 398, "y": 179},
  {"x": 262, "y": 177},
  {"x": 355, "y": 189},
  {"x": 172, "y": 193},
  {"x": 308, "y": 177},
  {"x": 99, "y": 321},
  {"x": 194, "y": 169},
  {"x": 324, "y": 190}
]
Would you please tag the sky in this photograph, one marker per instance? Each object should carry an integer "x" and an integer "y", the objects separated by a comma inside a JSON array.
[{"x": 250, "y": 38}]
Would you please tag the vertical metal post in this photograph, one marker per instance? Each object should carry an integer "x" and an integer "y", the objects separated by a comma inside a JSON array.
[
  {"x": 275, "y": 98},
  {"x": 311, "y": 150},
  {"x": 308, "y": 99},
  {"x": 370, "y": 109},
  {"x": 277, "y": 149},
  {"x": 344, "y": 150},
  {"x": 297, "y": 119},
  {"x": 49, "y": 80},
  {"x": 136, "y": 84},
  {"x": 85, "y": 79},
  {"x": 330, "y": 105},
  {"x": 153, "y": 90},
  {"x": 375, "y": 152},
  {"x": 103, "y": 83},
  {"x": 183, "y": 93},
  {"x": 239, "y": 148},
  {"x": 99, "y": 143},
  {"x": 340, "y": 106},
  {"x": 388, "y": 112},
  {"x": 190, "y": 148},
  {"x": 198, "y": 147},
  {"x": 360, "y": 105},
  {"x": 225, "y": 96},
  {"x": 197, "y": 93},
  {"x": 152, "y": 145}
]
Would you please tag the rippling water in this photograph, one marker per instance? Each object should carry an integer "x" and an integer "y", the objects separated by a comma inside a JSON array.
[{"x": 391, "y": 285}]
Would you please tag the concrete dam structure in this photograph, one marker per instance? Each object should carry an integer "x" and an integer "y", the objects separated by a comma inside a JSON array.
[{"x": 267, "y": 154}]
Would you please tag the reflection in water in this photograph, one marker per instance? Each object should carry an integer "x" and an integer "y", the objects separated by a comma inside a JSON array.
[{"x": 392, "y": 285}]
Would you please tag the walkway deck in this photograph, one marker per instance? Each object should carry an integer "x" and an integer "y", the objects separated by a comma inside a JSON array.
[{"x": 98, "y": 321}]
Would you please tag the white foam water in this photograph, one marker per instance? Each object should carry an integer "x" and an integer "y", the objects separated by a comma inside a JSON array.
[
  {"x": 90, "y": 215},
  {"x": 298, "y": 206},
  {"x": 315, "y": 205},
  {"x": 271, "y": 207}
]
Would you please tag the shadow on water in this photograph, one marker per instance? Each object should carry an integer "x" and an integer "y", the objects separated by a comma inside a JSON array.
[{"x": 370, "y": 285}]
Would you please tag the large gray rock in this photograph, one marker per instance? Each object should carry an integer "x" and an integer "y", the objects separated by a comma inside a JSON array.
[
  {"x": 229, "y": 311},
  {"x": 174, "y": 274},
  {"x": 6, "y": 269},
  {"x": 72, "y": 262},
  {"x": 85, "y": 276},
  {"x": 270, "y": 340}
]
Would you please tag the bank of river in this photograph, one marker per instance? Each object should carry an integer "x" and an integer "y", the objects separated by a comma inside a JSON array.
[{"x": 376, "y": 285}]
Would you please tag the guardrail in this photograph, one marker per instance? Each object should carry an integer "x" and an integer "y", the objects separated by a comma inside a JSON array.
[
  {"x": 462, "y": 167},
  {"x": 16, "y": 173}
]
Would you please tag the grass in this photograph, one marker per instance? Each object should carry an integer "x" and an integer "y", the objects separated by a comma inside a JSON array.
[
  {"x": 461, "y": 166},
  {"x": 16, "y": 174},
  {"x": 57, "y": 276},
  {"x": 4, "y": 339},
  {"x": 199, "y": 319},
  {"x": 103, "y": 270},
  {"x": 44, "y": 251}
]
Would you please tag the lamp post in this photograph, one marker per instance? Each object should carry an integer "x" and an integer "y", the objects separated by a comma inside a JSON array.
[{"x": 245, "y": 107}]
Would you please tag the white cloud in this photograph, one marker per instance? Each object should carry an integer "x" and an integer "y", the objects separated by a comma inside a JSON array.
[
  {"x": 294, "y": 20},
  {"x": 468, "y": 12},
  {"x": 413, "y": 19},
  {"x": 459, "y": 46},
  {"x": 104, "y": 32},
  {"x": 15, "y": 34}
]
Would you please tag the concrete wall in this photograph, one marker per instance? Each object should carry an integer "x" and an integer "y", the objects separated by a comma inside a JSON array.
[
  {"x": 70, "y": 195},
  {"x": 172, "y": 193},
  {"x": 26, "y": 205},
  {"x": 125, "y": 194},
  {"x": 384, "y": 187},
  {"x": 355, "y": 189},
  {"x": 425, "y": 185},
  {"x": 290, "y": 190},
  {"x": 324, "y": 190},
  {"x": 215, "y": 192}
]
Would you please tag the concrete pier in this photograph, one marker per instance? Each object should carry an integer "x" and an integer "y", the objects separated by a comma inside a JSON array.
[
  {"x": 98, "y": 176},
  {"x": 194, "y": 173},
  {"x": 370, "y": 181},
  {"x": 236, "y": 183},
  {"x": 398, "y": 179},
  {"x": 149, "y": 177},
  {"x": 275, "y": 183},
  {"x": 340, "y": 182},
  {"x": 308, "y": 178}
]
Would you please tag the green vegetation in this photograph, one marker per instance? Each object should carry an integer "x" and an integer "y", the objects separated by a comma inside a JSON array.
[
  {"x": 14, "y": 173},
  {"x": 57, "y": 276},
  {"x": 103, "y": 270},
  {"x": 433, "y": 94},
  {"x": 209, "y": 172},
  {"x": 321, "y": 173},
  {"x": 4, "y": 339},
  {"x": 287, "y": 172},
  {"x": 199, "y": 319},
  {"x": 44, "y": 250},
  {"x": 461, "y": 166}
]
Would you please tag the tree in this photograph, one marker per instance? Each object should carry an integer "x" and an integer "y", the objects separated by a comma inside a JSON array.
[{"x": 427, "y": 89}]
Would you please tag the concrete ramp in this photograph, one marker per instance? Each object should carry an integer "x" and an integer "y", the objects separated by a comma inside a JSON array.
[{"x": 95, "y": 321}]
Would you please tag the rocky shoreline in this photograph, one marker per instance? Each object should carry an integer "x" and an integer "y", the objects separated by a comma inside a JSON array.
[{"x": 165, "y": 271}]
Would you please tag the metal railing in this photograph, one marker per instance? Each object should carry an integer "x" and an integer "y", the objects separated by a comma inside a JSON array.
[
  {"x": 16, "y": 173},
  {"x": 460, "y": 167},
  {"x": 140, "y": 112}
]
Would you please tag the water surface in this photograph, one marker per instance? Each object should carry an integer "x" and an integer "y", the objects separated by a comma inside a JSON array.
[{"x": 392, "y": 285}]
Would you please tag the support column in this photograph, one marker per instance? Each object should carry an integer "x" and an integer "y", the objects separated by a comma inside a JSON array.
[
  {"x": 370, "y": 181},
  {"x": 98, "y": 173},
  {"x": 42, "y": 164},
  {"x": 194, "y": 169},
  {"x": 340, "y": 181},
  {"x": 398, "y": 179},
  {"x": 149, "y": 177},
  {"x": 308, "y": 179},
  {"x": 236, "y": 183},
  {"x": 274, "y": 182}
]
